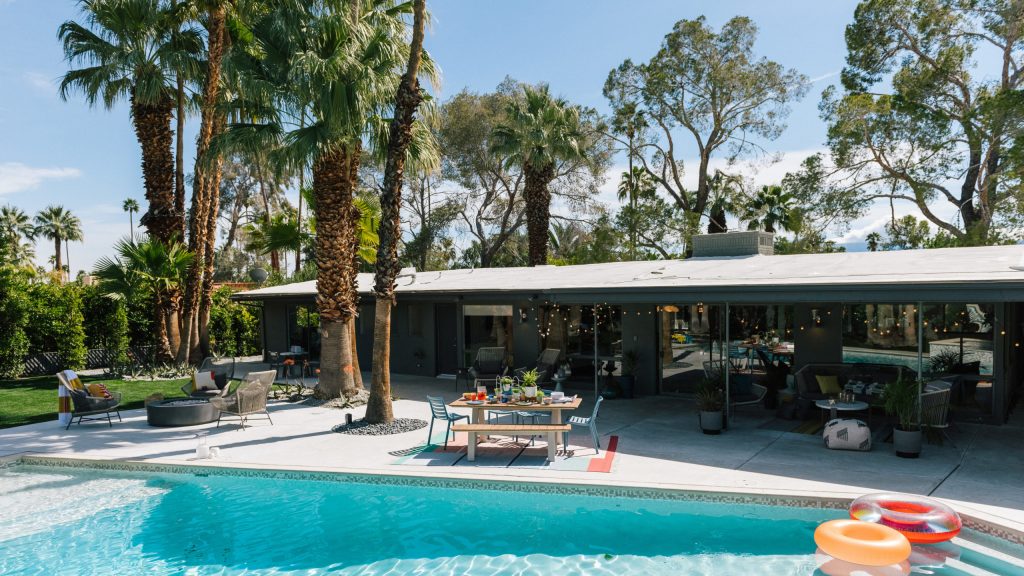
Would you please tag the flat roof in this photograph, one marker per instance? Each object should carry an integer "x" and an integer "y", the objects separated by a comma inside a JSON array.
[{"x": 992, "y": 272}]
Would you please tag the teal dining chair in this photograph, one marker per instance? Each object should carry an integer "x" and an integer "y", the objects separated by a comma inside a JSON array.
[
  {"x": 439, "y": 411},
  {"x": 590, "y": 423}
]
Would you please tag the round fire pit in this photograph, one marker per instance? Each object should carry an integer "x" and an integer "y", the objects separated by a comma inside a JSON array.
[{"x": 181, "y": 412}]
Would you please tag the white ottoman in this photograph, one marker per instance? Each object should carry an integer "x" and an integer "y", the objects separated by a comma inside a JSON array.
[{"x": 847, "y": 434}]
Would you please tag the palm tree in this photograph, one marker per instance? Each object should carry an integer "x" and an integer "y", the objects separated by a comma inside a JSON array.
[
  {"x": 130, "y": 206},
  {"x": 635, "y": 184},
  {"x": 400, "y": 134},
  {"x": 874, "y": 240},
  {"x": 16, "y": 234},
  {"x": 147, "y": 269},
  {"x": 338, "y": 62},
  {"x": 57, "y": 224},
  {"x": 131, "y": 49},
  {"x": 722, "y": 190},
  {"x": 772, "y": 208},
  {"x": 538, "y": 132}
]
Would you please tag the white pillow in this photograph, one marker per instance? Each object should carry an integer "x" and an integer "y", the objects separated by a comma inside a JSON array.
[{"x": 203, "y": 381}]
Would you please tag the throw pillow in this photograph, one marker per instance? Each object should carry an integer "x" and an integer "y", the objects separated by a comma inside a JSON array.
[
  {"x": 80, "y": 400},
  {"x": 97, "y": 390},
  {"x": 203, "y": 381},
  {"x": 829, "y": 384},
  {"x": 221, "y": 380}
]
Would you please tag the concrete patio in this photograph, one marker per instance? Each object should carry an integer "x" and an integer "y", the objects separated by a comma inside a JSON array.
[{"x": 659, "y": 445}]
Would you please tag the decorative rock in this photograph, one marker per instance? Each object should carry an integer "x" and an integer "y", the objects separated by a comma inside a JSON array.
[{"x": 364, "y": 428}]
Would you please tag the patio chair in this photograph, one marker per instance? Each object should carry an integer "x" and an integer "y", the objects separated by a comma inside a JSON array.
[
  {"x": 248, "y": 399},
  {"x": 590, "y": 423},
  {"x": 489, "y": 364},
  {"x": 84, "y": 403},
  {"x": 208, "y": 372},
  {"x": 439, "y": 411},
  {"x": 935, "y": 409}
]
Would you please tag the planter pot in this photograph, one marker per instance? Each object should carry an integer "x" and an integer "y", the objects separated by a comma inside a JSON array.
[
  {"x": 627, "y": 383},
  {"x": 907, "y": 444},
  {"x": 712, "y": 422},
  {"x": 530, "y": 391}
]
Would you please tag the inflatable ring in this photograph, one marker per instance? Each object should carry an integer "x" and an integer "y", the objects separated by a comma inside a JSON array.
[
  {"x": 922, "y": 520},
  {"x": 862, "y": 543}
]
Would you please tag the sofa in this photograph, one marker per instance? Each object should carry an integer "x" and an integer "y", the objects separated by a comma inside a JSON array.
[{"x": 808, "y": 390}]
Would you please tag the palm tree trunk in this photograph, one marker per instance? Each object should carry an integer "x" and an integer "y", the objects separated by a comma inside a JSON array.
[
  {"x": 357, "y": 372},
  {"x": 407, "y": 100},
  {"x": 179, "y": 156},
  {"x": 538, "y": 211},
  {"x": 131, "y": 227},
  {"x": 206, "y": 302},
  {"x": 204, "y": 180},
  {"x": 67, "y": 253},
  {"x": 333, "y": 186},
  {"x": 160, "y": 313},
  {"x": 58, "y": 262},
  {"x": 153, "y": 130}
]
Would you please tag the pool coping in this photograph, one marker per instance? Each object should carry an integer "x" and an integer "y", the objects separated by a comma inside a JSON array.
[{"x": 976, "y": 520}]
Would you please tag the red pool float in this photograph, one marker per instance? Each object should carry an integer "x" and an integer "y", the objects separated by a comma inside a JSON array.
[{"x": 922, "y": 520}]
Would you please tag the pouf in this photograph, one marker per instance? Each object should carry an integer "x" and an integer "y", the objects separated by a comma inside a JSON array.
[{"x": 847, "y": 434}]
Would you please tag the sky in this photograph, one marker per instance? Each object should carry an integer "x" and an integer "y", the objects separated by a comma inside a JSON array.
[{"x": 88, "y": 160}]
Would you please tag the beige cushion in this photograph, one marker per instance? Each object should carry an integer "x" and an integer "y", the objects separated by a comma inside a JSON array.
[{"x": 202, "y": 381}]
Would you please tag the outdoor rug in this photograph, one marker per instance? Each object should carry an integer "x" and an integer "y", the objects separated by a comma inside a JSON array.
[{"x": 504, "y": 452}]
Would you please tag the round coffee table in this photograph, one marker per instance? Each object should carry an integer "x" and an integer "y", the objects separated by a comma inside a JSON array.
[
  {"x": 181, "y": 412},
  {"x": 833, "y": 408}
]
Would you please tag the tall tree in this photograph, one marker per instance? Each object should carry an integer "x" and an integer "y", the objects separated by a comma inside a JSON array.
[
  {"x": 770, "y": 209},
  {"x": 16, "y": 235},
  {"x": 131, "y": 49},
  {"x": 708, "y": 87},
  {"x": 58, "y": 224},
  {"x": 919, "y": 112},
  {"x": 130, "y": 206},
  {"x": 400, "y": 132},
  {"x": 538, "y": 132}
]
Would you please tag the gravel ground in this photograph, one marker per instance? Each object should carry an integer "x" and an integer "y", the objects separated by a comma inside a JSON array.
[{"x": 363, "y": 428}]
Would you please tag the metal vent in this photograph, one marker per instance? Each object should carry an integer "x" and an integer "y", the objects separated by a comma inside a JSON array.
[{"x": 734, "y": 244}]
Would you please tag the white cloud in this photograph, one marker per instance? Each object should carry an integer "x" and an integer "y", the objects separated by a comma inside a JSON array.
[
  {"x": 17, "y": 177},
  {"x": 40, "y": 82}
]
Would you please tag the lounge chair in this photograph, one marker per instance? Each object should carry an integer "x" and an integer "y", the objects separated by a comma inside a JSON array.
[
  {"x": 489, "y": 365},
  {"x": 439, "y": 411},
  {"x": 84, "y": 405},
  {"x": 589, "y": 423},
  {"x": 219, "y": 374},
  {"x": 248, "y": 399}
]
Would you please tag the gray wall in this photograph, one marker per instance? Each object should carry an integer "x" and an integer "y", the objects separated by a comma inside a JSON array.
[
  {"x": 817, "y": 344},
  {"x": 275, "y": 326},
  {"x": 525, "y": 335},
  {"x": 412, "y": 343}
]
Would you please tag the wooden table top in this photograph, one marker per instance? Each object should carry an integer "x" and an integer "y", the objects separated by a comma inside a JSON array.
[{"x": 460, "y": 403}]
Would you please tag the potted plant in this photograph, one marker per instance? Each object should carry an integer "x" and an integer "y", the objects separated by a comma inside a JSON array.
[
  {"x": 901, "y": 398},
  {"x": 530, "y": 383},
  {"x": 630, "y": 358},
  {"x": 710, "y": 404}
]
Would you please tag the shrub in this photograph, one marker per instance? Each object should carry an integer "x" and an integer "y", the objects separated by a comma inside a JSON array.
[
  {"x": 14, "y": 314},
  {"x": 106, "y": 326},
  {"x": 234, "y": 328},
  {"x": 56, "y": 322}
]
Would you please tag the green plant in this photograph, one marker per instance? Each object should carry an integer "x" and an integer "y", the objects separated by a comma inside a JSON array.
[
  {"x": 56, "y": 325},
  {"x": 944, "y": 361},
  {"x": 630, "y": 358},
  {"x": 530, "y": 377},
  {"x": 900, "y": 400},
  {"x": 710, "y": 397},
  {"x": 14, "y": 314},
  {"x": 105, "y": 322}
]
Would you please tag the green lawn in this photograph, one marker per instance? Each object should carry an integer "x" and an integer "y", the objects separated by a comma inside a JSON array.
[{"x": 28, "y": 400}]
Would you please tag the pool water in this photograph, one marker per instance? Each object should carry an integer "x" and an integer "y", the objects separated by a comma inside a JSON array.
[{"x": 83, "y": 521}]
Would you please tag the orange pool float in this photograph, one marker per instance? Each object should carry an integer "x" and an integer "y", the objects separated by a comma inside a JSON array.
[
  {"x": 862, "y": 543},
  {"x": 922, "y": 520}
]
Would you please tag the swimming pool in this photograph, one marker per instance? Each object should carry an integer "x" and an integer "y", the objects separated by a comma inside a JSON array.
[{"x": 86, "y": 521}]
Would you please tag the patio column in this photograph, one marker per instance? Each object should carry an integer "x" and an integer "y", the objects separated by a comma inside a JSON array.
[
  {"x": 920, "y": 355},
  {"x": 597, "y": 362},
  {"x": 727, "y": 365}
]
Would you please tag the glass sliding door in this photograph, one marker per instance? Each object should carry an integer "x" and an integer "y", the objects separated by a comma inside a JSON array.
[{"x": 487, "y": 326}]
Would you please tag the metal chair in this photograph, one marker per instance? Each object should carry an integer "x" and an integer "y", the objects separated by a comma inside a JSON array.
[
  {"x": 582, "y": 422},
  {"x": 249, "y": 398},
  {"x": 439, "y": 411},
  {"x": 489, "y": 364}
]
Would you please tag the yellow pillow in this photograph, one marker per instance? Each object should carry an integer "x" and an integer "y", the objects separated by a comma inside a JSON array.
[{"x": 829, "y": 384}]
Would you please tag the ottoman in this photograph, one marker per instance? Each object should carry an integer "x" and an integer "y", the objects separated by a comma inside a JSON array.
[{"x": 847, "y": 434}]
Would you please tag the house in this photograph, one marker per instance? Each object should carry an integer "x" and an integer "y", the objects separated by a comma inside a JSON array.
[{"x": 901, "y": 307}]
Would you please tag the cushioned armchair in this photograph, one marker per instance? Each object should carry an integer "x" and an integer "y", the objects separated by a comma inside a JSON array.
[
  {"x": 248, "y": 399},
  {"x": 87, "y": 404},
  {"x": 489, "y": 365}
]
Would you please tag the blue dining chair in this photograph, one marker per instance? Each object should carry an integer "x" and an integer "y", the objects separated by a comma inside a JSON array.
[
  {"x": 591, "y": 423},
  {"x": 439, "y": 411}
]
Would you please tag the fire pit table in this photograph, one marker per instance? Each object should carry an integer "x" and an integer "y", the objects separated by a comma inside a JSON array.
[{"x": 181, "y": 412}]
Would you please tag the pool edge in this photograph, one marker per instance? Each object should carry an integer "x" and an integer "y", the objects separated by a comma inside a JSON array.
[{"x": 976, "y": 520}]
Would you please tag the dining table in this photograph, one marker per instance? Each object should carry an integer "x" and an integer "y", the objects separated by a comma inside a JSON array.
[{"x": 479, "y": 408}]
